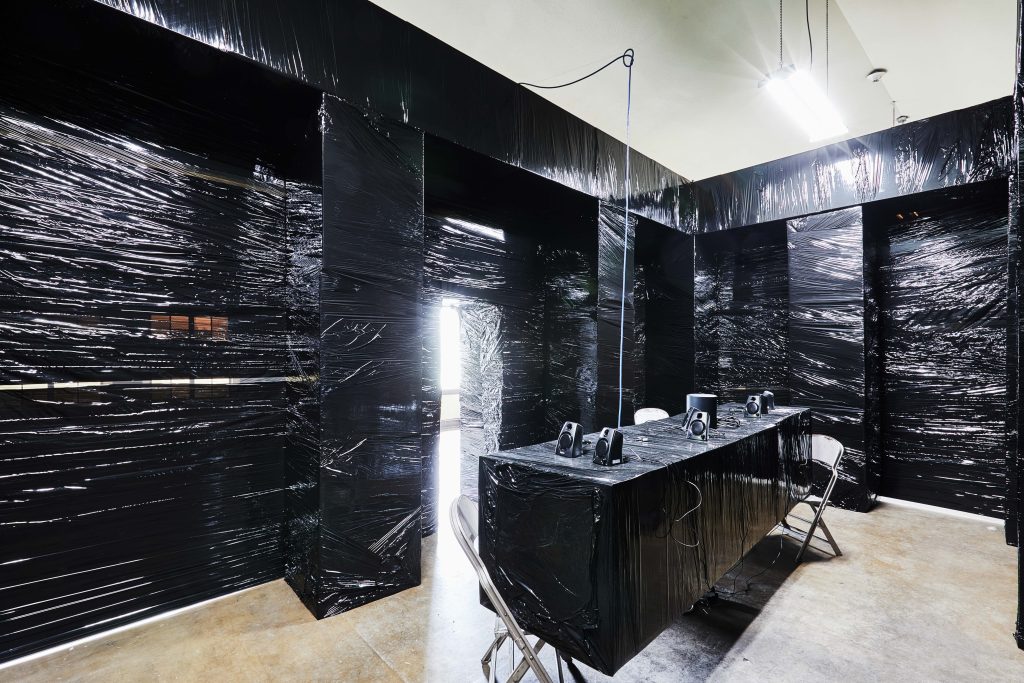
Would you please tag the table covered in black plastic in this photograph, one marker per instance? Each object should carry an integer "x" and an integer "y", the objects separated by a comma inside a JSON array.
[{"x": 598, "y": 560}]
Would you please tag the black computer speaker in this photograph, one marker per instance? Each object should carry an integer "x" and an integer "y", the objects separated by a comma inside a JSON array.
[
  {"x": 570, "y": 440},
  {"x": 767, "y": 401},
  {"x": 698, "y": 425},
  {"x": 752, "y": 408},
  {"x": 608, "y": 450}
]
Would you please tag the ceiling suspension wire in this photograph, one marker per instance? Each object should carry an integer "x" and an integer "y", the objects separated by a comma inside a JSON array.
[
  {"x": 780, "y": 35},
  {"x": 827, "y": 3}
]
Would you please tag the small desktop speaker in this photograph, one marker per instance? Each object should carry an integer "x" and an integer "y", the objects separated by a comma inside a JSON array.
[
  {"x": 608, "y": 449},
  {"x": 752, "y": 408},
  {"x": 698, "y": 425},
  {"x": 570, "y": 440},
  {"x": 767, "y": 401},
  {"x": 707, "y": 403}
]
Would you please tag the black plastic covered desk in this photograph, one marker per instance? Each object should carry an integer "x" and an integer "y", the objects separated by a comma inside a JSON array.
[{"x": 598, "y": 561}]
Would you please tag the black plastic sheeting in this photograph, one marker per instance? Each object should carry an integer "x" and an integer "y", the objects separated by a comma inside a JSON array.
[
  {"x": 663, "y": 331},
  {"x": 961, "y": 147},
  {"x": 741, "y": 312},
  {"x": 368, "y": 473},
  {"x": 143, "y": 347},
  {"x": 826, "y": 339},
  {"x": 372, "y": 59},
  {"x": 518, "y": 253},
  {"x": 944, "y": 321},
  {"x": 597, "y": 561}
]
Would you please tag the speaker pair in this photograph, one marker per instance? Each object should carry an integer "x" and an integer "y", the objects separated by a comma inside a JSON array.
[
  {"x": 697, "y": 425},
  {"x": 608, "y": 449},
  {"x": 570, "y": 440}
]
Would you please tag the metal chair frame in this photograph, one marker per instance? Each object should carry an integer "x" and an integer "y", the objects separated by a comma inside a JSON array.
[
  {"x": 818, "y": 505},
  {"x": 506, "y": 627}
]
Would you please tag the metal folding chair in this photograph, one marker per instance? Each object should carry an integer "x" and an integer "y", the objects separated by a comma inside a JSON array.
[
  {"x": 828, "y": 452},
  {"x": 464, "y": 523}
]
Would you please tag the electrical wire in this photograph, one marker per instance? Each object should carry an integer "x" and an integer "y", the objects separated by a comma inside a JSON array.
[
  {"x": 810, "y": 40},
  {"x": 627, "y": 61},
  {"x": 626, "y": 58}
]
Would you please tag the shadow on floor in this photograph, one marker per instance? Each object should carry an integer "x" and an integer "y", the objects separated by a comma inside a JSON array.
[{"x": 698, "y": 642}]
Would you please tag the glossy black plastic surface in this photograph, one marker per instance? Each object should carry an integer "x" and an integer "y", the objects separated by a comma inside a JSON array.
[
  {"x": 373, "y": 60},
  {"x": 598, "y": 560}
]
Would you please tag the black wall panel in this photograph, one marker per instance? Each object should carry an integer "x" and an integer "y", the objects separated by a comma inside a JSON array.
[
  {"x": 957, "y": 148},
  {"x": 371, "y": 359},
  {"x": 826, "y": 338},
  {"x": 663, "y": 301},
  {"x": 144, "y": 328},
  {"x": 520, "y": 253},
  {"x": 741, "y": 312},
  {"x": 944, "y": 321}
]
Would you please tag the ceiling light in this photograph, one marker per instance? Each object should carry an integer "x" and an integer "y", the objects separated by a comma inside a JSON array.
[
  {"x": 876, "y": 75},
  {"x": 804, "y": 101}
]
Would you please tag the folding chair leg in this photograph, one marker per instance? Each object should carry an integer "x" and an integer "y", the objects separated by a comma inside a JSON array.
[
  {"x": 828, "y": 535},
  {"x": 487, "y": 661},
  {"x": 524, "y": 665},
  {"x": 809, "y": 534},
  {"x": 558, "y": 658}
]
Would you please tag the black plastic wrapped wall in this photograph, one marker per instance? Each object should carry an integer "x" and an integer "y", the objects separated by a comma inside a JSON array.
[
  {"x": 826, "y": 338},
  {"x": 741, "y": 312},
  {"x": 143, "y": 348},
  {"x": 961, "y": 147},
  {"x": 943, "y": 304},
  {"x": 301, "y": 542},
  {"x": 570, "y": 333},
  {"x": 611, "y": 233},
  {"x": 497, "y": 275},
  {"x": 370, "y": 359},
  {"x": 664, "y": 317},
  {"x": 359, "y": 52}
]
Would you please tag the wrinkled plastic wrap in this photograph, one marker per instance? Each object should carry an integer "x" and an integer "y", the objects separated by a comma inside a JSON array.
[
  {"x": 741, "y": 312},
  {"x": 943, "y": 304},
  {"x": 372, "y": 59},
  {"x": 370, "y": 360},
  {"x": 826, "y": 340},
  {"x": 570, "y": 330},
  {"x": 143, "y": 352},
  {"x": 519, "y": 254},
  {"x": 597, "y": 561},
  {"x": 663, "y": 300},
  {"x": 957, "y": 148}
]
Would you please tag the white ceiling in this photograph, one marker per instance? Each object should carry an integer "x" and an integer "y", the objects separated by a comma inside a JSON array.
[{"x": 697, "y": 107}]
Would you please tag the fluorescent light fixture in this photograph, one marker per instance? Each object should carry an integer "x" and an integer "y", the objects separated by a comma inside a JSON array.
[{"x": 804, "y": 101}]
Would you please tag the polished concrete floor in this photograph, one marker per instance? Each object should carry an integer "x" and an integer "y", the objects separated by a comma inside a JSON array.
[{"x": 917, "y": 596}]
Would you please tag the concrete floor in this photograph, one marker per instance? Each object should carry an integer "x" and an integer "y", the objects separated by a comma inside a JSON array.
[{"x": 918, "y": 596}]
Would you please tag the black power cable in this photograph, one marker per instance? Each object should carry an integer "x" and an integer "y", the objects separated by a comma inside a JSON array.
[{"x": 626, "y": 58}]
